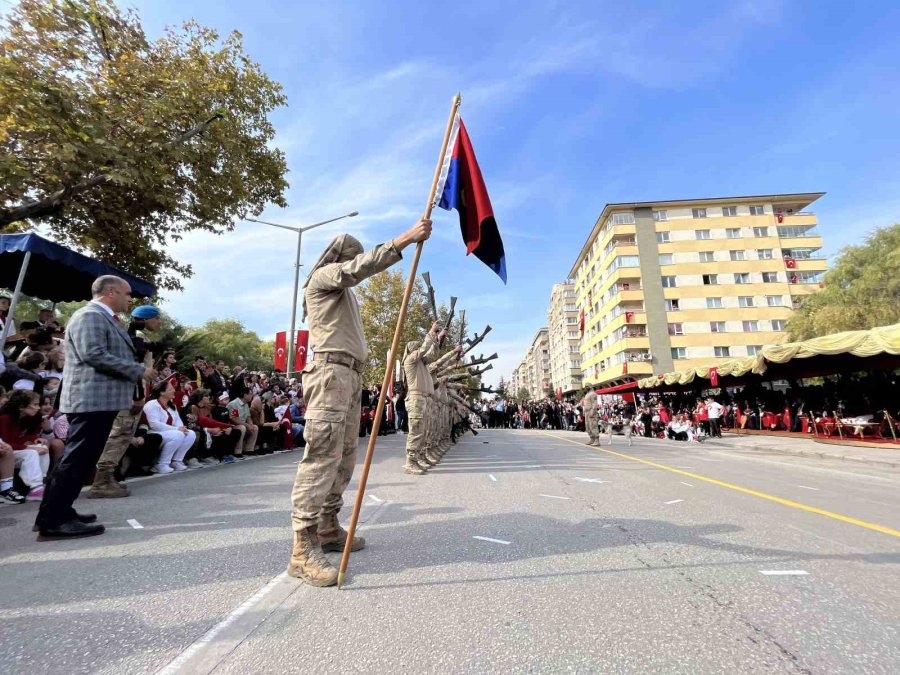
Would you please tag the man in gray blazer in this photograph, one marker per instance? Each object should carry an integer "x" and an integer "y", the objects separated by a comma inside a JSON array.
[{"x": 98, "y": 382}]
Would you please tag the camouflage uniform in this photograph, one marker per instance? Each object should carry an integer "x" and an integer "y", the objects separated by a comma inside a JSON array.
[
  {"x": 419, "y": 388},
  {"x": 331, "y": 386},
  {"x": 591, "y": 419}
]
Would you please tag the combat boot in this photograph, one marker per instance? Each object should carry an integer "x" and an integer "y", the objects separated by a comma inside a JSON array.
[
  {"x": 432, "y": 457},
  {"x": 105, "y": 486},
  {"x": 422, "y": 462},
  {"x": 412, "y": 467},
  {"x": 308, "y": 563},
  {"x": 333, "y": 537}
]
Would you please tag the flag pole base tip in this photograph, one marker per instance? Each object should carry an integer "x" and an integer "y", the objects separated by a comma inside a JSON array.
[{"x": 340, "y": 582}]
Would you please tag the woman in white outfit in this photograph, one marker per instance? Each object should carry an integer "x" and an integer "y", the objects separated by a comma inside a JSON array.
[{"x": 163, "y": 419}]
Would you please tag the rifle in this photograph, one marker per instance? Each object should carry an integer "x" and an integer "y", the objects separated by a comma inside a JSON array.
[
  {"x": 449, "y": 318},
  {"x": 426, "y": 276},
  {"x": 462, "y": 326},
  {"x": 478, "y": 339}
]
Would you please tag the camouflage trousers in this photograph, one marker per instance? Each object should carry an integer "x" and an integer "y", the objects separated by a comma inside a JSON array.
[
  {"x": 123, "y": 429},
  {"x": 591, "y": 426},
  {"x": 332, "y": 395},
  {"x": 416, "y": 407}
]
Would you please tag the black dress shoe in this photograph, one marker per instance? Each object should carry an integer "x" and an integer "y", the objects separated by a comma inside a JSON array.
[
  {"x": 70, "y": 530},
  {"x": 86, "y": 518}
]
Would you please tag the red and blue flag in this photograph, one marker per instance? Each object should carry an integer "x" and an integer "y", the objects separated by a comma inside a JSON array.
[{"x": 461, "y": 187}]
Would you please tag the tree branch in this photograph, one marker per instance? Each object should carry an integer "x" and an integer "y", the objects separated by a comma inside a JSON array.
[{"x": 53, "y": 202}]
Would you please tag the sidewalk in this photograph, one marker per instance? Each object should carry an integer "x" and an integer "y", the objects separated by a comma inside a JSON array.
[{"x": 808, "y": 448}]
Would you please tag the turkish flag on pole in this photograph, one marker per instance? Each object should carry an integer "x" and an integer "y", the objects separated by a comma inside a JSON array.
[
  {"x": 281, "y": 351},
  {"x": 300, "y": 350},
  {"x": 581, "y": 322},
  {"x": 714, "y": 377}
]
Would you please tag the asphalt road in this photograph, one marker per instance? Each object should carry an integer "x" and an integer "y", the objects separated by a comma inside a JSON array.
[{"x": 523, "y": 552}]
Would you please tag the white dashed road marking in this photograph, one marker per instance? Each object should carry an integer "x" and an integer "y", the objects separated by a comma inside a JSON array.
[
  {"x": 590, "y": 480},
  {"x": 492, "y": 477},
  {"x": 375, "y": 499},
  {"x": 495, "y": 541},
  {"x": 784, "y": 573},
  {"x": 675, "y": 501},
  {"x": 135, "y": 524},
  {"x": 554, "y": 497},
  {"x": 806, "y": 487},
  {"x": 683, "y": 483}
]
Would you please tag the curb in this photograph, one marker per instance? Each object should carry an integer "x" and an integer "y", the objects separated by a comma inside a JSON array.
[{"x": 810, "y": 453}]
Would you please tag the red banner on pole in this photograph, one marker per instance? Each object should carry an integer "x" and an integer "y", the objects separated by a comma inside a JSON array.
[
  {"x": 301, "y": 349},
  {"x": 281, "y": 351},
  {"x": 714, "y": 377}
]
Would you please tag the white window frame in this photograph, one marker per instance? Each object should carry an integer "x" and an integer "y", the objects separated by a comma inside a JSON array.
[
  {"x": 746, "y": 302},
  {"x": 679, "y": 352},
  {"x": 714, "y": 303},
  {"x": 660, "y": 216},
  {"x": 729, "y": 211},
  {"x": 724, "y": 349},
  {"x": 664, "y": 281},
  {"x": 698, "y": 213},
  {"x": 714, "y": 327},
  {"x": 669, "y": 259},
  {"x": 675, "y": 328},
  {"x": 779, "y": 324},
  {"x": 760, "y": 231},
  {"x": 750, "y": 326},
  {"x": 764, "y": 254},
  {"x": 757, "y": 210},
  {"x": 773, "y": 280},
  {"x": 732, "y": 233},
  {"x": 662, "y": 237},
  {"x": 775, "y": 301},
  {"x": 737, "y": 255},
  {"x": 713, "y": 279},
  {"x": 699, "y": 235},
  {"x": 742, "y": 277},
  {"x": 707, "y": 256}
]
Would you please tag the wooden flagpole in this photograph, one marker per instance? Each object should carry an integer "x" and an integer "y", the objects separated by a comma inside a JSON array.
[{"x": 389, "y": 368}]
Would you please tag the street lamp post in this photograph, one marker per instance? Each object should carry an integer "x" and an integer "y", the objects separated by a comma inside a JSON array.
[{"x": 299, "y": 231}]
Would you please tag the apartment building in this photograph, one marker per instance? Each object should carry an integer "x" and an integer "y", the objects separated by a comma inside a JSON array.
[
  {"x": 564, "y": 338},
  {"x": 540, "y": 363},
  {"x": 671, "y": 284}
]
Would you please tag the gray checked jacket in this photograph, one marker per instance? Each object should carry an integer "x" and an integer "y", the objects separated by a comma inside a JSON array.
[{"x": 100, "y": 371}]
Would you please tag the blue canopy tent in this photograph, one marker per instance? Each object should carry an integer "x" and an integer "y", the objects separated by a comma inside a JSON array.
[{"x": 42, "y": 269}]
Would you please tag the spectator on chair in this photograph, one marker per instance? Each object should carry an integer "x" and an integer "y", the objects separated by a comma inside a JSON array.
[
  {"x": 220, "y": 413},
  {"x": 163, "y": 419},
  {"x": 222, "y": 435},
  {"x": 20, "y": 427},
  {"x": 32, "y": 363},
  {"x": 239, "y": 413}
]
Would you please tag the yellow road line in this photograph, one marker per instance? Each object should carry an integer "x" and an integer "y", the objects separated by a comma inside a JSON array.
[{"x": 748, "y": 491}]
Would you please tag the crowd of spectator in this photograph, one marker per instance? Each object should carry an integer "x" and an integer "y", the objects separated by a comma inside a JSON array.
[{"x": 206, "y": 414}]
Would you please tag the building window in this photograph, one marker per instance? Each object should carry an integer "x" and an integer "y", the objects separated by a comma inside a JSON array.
[
  {"x": 668, "y": 282},
  {"x": 716, "y": 326},
  {"x": 751, "y": 326},
  {"x": 733, "y": 232},
  {"x": 778, "y": 324},
  {"x": 745, "y": 301},
  {"x": 660, "y": 216},
  {"x": 679, "y": 353},
  {"x": 698, "y": 213},
  {"x": 662, "y": 237},
  {"x": 760, "y": 231},
  {"x": 729, "y": 210},
  {"x": 774, "y": 301},
  {"x": 742, "y": 278},
  {"x": 753, "y": 350},
  {"x": 672, "y": 306},
  {"x": 764, "y": 253},
  {"x": 707, "y": 256},
  {"x": 702, "y": 234},
  {"x": 710, "y": 279},
  {"x": 757, "y": 210},
  {"x": 676, "y": 329},
  {"x": 737, "y": 255},
  {"x": 622, "y": 218},
  {"x": 770, "y": 277},
  {"x": 714, "y": 303},
  {"x": 722, "y": 351},
  {"x": 665, "y": 259}
]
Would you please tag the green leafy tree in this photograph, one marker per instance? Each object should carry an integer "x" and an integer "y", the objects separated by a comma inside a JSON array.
[
  {"x": 226, "y": 340},
  {"x": 121, "y": 144},
  {"x": 523, "y": 394},
  {"x": 379, "y": 303},
  {"x": 502, "y": 388},
  {"x": 861, "y": 290}
]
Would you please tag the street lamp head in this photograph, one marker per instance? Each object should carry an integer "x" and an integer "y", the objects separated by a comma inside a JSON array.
[{"x": 355, "y": 213}]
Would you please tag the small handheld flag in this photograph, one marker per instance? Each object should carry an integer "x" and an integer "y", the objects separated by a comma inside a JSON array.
[{"x": 462, "y": 187}]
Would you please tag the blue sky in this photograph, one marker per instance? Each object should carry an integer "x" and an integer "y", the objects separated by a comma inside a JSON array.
[{"x": 569, "y": 105}]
